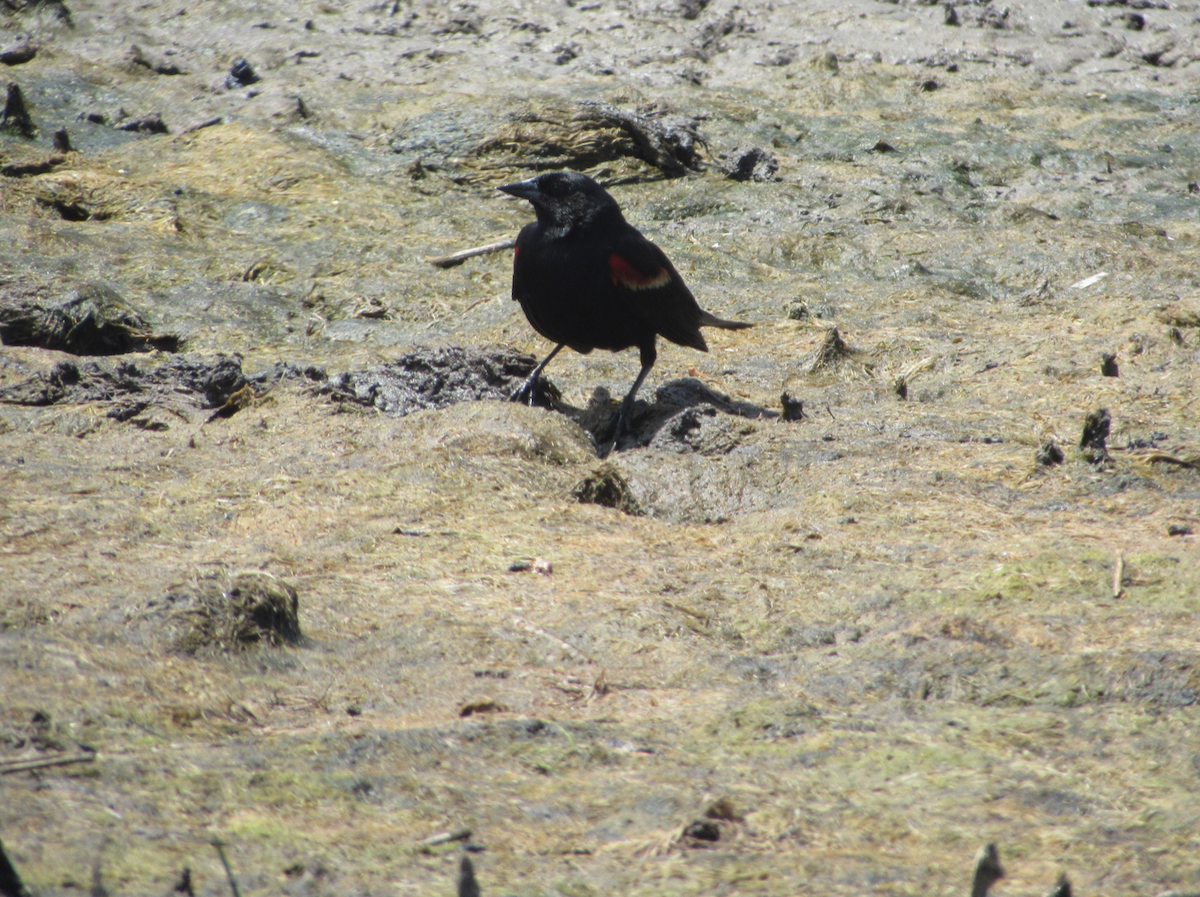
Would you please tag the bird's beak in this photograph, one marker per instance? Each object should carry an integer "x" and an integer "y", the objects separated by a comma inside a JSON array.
[{"x": 523, "y": 190}]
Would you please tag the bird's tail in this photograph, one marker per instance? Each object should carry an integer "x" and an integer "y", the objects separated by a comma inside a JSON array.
[{"x": 710, "y": 320}]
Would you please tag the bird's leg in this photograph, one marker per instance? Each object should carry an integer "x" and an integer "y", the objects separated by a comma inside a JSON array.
[
  {"x": 528, "y": 390},
  {"x": 625, "y": 415}
]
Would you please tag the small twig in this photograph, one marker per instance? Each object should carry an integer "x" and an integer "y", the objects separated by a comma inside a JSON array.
[
  {"x": 600, "y": 688},
  {"x": 208, "y": 123},
  {"x": 1162, "y": 458},
  {"x": 216, "y": 842},
  {"x": 457, "y": 258},
  {"x": 1118, "y": 588},
  {"x": 22, "y": 765},
  {"x": 474, "y": 305},
  {"x": 704, "y": 618},
  {"x": 537, "y": 630},
  {"x": 458, "y": 834}
]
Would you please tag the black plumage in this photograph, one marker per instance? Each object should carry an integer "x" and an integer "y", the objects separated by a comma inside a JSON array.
[{"x": 588, "y": 279}]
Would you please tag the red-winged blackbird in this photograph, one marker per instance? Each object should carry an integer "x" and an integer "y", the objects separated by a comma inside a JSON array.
[{"x": 588, "y": 279}]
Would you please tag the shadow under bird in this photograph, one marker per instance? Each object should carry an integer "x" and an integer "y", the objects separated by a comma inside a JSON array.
[{"x": 588, "y": 279}]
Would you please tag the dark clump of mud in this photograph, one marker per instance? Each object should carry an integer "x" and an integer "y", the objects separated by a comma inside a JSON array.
[
  {"x": 606, "y": 487},
  {"x": 432, "y": 378},
  {"x": 234, "y": 614},
  {"x": 89, "y": 319},
  {"x": 698, "y": 429},
  {"x": 589, "y": 134},
  {"x": 15, "y": 115},
  {"x": 686, "y": 417},
  {"x": 1049, "y": 454},
  {"x": 750, "y": 164},
  {"x": 642, "y": 144},
  {"x": 1094, "y": 441},
  {"x": 793, "y": 408},
  {"x": 832, "y": 350},
  {"x": 181, "y": 381}
]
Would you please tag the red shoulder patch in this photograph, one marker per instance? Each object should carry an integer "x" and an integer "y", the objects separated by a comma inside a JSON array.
[{"x": 626, "y": 275}]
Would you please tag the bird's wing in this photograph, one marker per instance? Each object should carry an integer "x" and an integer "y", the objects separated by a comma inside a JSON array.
[{"x": 651, "y": 288}]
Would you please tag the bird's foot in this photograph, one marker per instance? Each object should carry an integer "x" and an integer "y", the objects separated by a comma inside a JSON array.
[
  {"x": 526, "y": 392},
  {"x": 537, "y": 392},
  {"x": 617, "y": 434}
]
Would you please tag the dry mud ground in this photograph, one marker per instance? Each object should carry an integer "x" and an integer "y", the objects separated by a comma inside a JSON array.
[{"x": 884, "y": 633}]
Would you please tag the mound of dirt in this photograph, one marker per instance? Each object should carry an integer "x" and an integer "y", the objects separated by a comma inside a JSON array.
[
  {"x": 87, "y": 319},
  {"x": 232, "y": 614}
]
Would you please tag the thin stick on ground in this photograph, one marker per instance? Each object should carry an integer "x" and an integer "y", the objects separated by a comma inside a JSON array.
[
  {"x": 457, "y": 258},
  {"x": 233, "y": 885},
  {"x": 458, "y": 834},
  {"x": 8, "y": 766}
]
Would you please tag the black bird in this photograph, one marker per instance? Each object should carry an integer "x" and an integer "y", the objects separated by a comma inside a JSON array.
[{"x": 588, "y": 279}]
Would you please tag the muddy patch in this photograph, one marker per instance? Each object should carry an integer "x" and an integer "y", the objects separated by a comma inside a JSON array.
[
  {"x": 606, "y": 487},
  {"x": 683, "y": 486},
  {"x": 589, "y": 134},
  {"x": 475, "y": 433},
  {"x": 130, "y": 386},
  {"x": 88, "y": 319},
  {"x": 468, "y": 146},
  {"x": 233, "y": 613},
  {"x": 432, "y": 378}
]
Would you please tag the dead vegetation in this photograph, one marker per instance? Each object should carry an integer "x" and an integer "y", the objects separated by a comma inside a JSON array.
[
  {"x": 244, "y": 611},
  {"x": 826, "y": 644},
  {"x": 85, "y": 319},
  {"x": 590, "y": 134}
]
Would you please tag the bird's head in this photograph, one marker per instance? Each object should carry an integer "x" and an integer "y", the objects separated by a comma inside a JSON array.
[{"x": 565, "y": 199}]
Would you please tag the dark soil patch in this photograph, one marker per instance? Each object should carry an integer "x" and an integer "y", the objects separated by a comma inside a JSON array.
[
  {"x": 231, "y": 614},
  {"x": 432, "y": 378},
  {"x": 88, "y": 319},
  {"x": 183, "y": 380}
]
